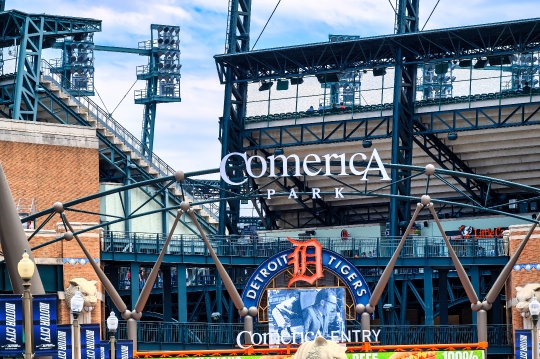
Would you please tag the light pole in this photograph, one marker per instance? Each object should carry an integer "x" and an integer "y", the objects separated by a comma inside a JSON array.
[
  {"x": 534, "y": 309},
  {"x": 26, "y": 270},
  {"x": 77, "y": 303},
  {"x": 112, "y": 325}
]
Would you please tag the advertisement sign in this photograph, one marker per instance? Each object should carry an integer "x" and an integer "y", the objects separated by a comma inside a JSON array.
[
  {"x": 64, "y": 342},
  {"x": 44, "y": 316},
  {"x": 124, "y": 349},
  {"x": 11, "y": 325},
  {"x": 90, "y": 341},
  {"x": 297, "y": 258},
  {"x": 304, "y": 314}
]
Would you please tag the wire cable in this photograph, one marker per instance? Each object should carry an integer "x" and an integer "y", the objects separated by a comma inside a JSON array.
[
  {"x": 393, "y": 8},
  {"x": 265, "y": 25},
  {"x": 123, "y": 98},
  {"x": 429, "y": 17},
  {"x": 95, "y": 89}
]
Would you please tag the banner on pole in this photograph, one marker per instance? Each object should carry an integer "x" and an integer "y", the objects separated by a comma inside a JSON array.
[
  {"x": 64, "y": 342},
  {"x": 105, "y": 350},
  {"x": 523, "y": 344},
  {"x": 11, "y": 325},
  {"x": 90, "y": 341},
  {"x": 45, "y": 320},
  {"x": 124, "y": 349}
]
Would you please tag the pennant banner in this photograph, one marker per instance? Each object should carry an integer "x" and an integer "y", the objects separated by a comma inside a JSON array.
[
  {"x": 11, "y": 325},
  {"x": 523, "y": 344},
  {"x": 90, "y": 341},
  {"x": 64, "y": 342},
  {"x": 124, "y": 349},
  {"x": 45, "y": 317}
]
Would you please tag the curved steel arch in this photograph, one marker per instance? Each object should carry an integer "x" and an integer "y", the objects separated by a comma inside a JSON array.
[{"x": 440, "y": 174}]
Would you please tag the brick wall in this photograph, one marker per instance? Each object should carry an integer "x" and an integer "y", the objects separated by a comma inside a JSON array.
[
  {"x": 530, "y": 255},
  {"x": 50, "y": 163}
]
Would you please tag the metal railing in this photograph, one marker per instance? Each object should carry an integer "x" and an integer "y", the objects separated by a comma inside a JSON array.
[
  {"x": 225, "y": 333},
  {"x": 265, "y": 246},
  {"x": 118, "y": 130}
]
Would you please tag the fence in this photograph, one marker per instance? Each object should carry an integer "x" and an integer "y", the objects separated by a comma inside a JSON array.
[
  {"x": 225, "y": 333},
  {"x": 266, "y": 246}
]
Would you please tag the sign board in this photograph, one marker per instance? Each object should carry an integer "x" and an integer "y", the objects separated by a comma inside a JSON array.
[
  {"x": 90, "y": 341},
  {"x": 11, "y": 325},
  {"x": 45, "y": 317},
  {"x": 64, "y": 342},
  {"x": 523, "y": 344},
  {"x": 124, "y": 349}
]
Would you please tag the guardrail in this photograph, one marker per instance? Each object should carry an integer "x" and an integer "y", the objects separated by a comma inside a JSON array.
[
  {"x": 266, "y": 246},
  {"x": 119, "y": 131},
  {"x": 225, "y": 333}
]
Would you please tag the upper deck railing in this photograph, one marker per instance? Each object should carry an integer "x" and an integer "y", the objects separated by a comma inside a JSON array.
[{"x": 265, "y": 245}]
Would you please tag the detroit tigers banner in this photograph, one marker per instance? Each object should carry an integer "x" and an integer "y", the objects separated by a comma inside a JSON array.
[
  {"x": 11, "y": 325},
  {"x": 124, "y": 349},
  {"x": 64, "y": 342},
  {"x": 523, "y": 344},
  {"x": 105, "y": 350},
  {"x": 90, "y": 341},
  {"x": 45, "y": 317}
]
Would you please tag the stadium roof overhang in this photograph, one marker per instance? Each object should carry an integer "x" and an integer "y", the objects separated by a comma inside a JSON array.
[
  {"x": 12, "y": 26},
  {"x": 380, "y": 51}
]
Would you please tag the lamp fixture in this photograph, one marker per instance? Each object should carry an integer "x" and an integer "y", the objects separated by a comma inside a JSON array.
[
  {"x": 26, "y": 267},
  {"x": 77, "y": 303},
  {"x": 367, "y": 143},
  {"x": 265, "y": 86},
  {"x": 452, "y": 136},
  {"x": 112, "y": 322}
]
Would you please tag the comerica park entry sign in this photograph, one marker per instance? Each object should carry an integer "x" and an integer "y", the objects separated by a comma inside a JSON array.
[{"x": 311, "y": 165}]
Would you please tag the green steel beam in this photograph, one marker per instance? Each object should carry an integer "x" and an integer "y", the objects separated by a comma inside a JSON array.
[{"x": 125, "y": 50}]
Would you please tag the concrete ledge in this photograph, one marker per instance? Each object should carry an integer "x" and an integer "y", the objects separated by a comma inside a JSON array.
[{"x": 44, "y": 133}]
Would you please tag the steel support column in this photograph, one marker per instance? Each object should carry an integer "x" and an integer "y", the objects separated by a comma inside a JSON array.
[
  {"x": 182, "y": 293},
  {"x": 28, "y": 70},
  {"x": 127, "y": 195},
  {"x": 167, "y": 294},
  {"x": 234, "y": 108},
  {"x": 402, "y": 122},
  {"x": 134, "y": 285},
  {"x": 474, "y": 273},
  {"x": 149, "y": 121},
  {"x": 428, "y": 301},
  {"x": 443, "y": 297}
]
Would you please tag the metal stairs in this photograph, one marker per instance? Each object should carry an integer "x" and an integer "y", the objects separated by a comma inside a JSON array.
[{"x": 85, "y": 112}]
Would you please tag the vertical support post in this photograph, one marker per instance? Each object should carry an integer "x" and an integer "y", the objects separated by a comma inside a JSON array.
[
  {"x": 428, "y": 302},
  {"x": 28, "y": 70},
  {"x": 443, "y": 297},
  {"x": 404, "y": 292},
  {"x": 534, "y": 339},
  {"x": 482, "y": 327},
  {"x": 132, "y": 332},
  {"x": 28, "y": 325},
  {"x": 167, "y": 294},
  {"x": 127, "y": 197},
  {"x": 76, "y": 337},
  {"x": 391, "y": 299},
  {"x": 182, "y": 292},
  {"x": 219, "y": 295},
  {"x": 402, "y": 126},
  {"x": 475, "y": 281},
  {"x": 165, "y": 215},
  {"x": 112, "y": 343},
  {"x": 234, "y": 109},
  {"x": 134, "y": 285}
]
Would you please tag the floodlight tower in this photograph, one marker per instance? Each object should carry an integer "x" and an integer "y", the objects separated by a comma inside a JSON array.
[
  {"x": 77, "y": 64},
  {"x": 162, "y": 75}
]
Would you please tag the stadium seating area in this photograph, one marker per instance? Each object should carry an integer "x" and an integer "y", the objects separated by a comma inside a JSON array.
[{"x": 388, "y": 106}]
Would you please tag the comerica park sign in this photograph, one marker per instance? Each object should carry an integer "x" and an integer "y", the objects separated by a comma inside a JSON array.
[{"x": 312, "y": 165}]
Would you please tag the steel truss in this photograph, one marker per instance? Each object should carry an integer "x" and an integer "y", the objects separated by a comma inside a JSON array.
[
  {"x": 349, "y": 130},
  {"x": 461, "y": 200},
  {"x": 234, "y": 108},
  {"x": 33, "y": 33},
  {"x": 382, "y": 51}
]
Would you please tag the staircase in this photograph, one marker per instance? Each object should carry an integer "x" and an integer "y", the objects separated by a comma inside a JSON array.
[{"x": 92, "y": 115}]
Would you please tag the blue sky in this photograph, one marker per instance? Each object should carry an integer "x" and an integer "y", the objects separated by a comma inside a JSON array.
[{"x": 186, "y": 133}]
